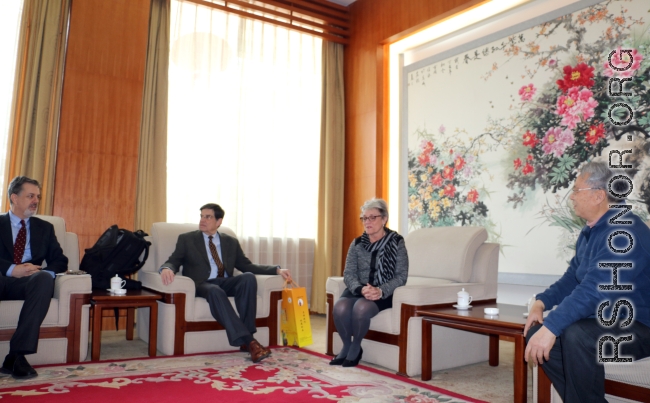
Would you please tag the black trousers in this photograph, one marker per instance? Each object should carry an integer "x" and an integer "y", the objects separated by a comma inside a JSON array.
[
  {"x": 36, "y": 290},
  {"x": 244, "y": 288},
  {"x": 573, "y": 366}
]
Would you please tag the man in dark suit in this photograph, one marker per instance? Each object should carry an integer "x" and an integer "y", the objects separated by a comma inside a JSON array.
[
  {"x": 209, "y": 258},
  {"x": 26, "y": 242}
]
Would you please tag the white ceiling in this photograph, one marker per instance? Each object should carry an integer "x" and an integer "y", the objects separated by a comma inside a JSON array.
[{"x": 343, "y": 2}]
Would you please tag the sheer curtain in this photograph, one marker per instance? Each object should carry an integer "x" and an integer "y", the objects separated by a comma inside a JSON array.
[
  {"x": 10, "y": 12},
  {"x": 244, "y": 130}
]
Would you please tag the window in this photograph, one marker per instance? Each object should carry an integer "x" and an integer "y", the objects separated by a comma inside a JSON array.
[{"x": 244, "y": 122}]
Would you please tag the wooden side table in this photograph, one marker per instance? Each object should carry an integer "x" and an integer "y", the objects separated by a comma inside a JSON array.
[
  {"x": 100, "y": 300},
  {"x": 510, "y": 322}
]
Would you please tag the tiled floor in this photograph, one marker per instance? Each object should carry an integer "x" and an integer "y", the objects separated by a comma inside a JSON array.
[{"x": 493, "y": 384}]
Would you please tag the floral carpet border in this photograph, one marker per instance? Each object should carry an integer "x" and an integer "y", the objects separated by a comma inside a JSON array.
[{"x": 289, "y": 370}]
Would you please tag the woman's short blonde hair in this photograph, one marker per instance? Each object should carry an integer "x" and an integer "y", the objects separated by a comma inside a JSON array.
[{"x": 379, "y": 204}]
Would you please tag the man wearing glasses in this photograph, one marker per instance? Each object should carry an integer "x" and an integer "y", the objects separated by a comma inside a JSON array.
[
  {"x": 209, "y": 258},
  {"x": 611, "y": 268}
]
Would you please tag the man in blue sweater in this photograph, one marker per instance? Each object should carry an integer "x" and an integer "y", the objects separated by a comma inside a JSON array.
[{"x": 613, "y": 250}]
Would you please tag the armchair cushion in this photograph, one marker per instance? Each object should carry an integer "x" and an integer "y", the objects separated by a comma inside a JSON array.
[{"x": 451, "y": 248}]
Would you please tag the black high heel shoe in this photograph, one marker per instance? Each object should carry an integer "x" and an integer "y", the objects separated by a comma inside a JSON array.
[
  {"x": 337, "y": 361},
  {"x": 348, "y": 363}
]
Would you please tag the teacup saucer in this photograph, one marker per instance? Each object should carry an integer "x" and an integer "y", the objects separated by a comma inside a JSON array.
[
  {"x": 462, "y": 307},
  {"x": 121, "y": 291}
]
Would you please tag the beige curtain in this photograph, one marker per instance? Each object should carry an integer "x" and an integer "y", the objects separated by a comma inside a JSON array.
[
  {"x": 151, "y": 199},
  {"x": 327, "y": 253},
  {"x": 35, "y": 113}
]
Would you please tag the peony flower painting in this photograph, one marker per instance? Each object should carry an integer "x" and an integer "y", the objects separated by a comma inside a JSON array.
[{"x": 497, "y": 134}]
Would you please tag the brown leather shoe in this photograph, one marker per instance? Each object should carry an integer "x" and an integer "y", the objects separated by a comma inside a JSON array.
[
  {"x": 243, "y": 348},
  {"x": 258, "y": 353}
]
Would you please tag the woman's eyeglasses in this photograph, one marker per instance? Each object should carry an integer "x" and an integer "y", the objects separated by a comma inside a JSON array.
[{"x": 370, "y": 218}]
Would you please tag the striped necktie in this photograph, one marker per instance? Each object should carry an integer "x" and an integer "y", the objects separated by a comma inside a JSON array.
[{"x": 215, "y": 256}]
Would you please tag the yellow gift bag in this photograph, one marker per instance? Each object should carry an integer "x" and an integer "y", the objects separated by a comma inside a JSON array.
[{"x": 295, "y": 326}]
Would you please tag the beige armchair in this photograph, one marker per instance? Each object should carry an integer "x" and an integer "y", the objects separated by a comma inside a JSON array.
[
  {"x": 442, "y": 260},
  {"x": 64, "y": 332},
  {"x": 185, "y": 324}
]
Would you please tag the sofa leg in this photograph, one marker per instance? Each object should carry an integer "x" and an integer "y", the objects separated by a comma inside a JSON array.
[{"x": 330, "y": 326}]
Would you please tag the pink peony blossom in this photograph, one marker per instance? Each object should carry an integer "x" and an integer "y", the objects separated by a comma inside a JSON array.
[
  {"x": 621, "y": 60},
  {"x": 557, "y": 140},
  {"x": 575, "y": 105},
  {"x": 527, "y": 91}
]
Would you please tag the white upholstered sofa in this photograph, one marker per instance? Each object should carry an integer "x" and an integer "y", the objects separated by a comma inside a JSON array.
[
  {"x": 185, "y": 324},
  {"x": 64, "y": 332},
  {"x": 442, "y": 261}
]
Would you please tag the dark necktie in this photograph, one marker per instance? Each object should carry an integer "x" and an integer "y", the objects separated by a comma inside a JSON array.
[
  {"x": 19, "y": 245},
  {"x": 215, "y": 256}
]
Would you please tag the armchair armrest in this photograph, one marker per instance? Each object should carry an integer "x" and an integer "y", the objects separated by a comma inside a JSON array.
[
  {"x": 181, "y": 284},
  {"x": 66, "y": 285},
  {"x": 335, "y": 286},
  {"x": 266, "y": 284}
]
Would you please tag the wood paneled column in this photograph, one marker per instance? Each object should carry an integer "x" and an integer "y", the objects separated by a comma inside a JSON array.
[{"x": 97, "y": 155}]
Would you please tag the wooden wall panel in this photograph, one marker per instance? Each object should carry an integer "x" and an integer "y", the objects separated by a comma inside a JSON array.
[
  {"x": 373, "y": 22},
  {"x": 97, "y": 156}
]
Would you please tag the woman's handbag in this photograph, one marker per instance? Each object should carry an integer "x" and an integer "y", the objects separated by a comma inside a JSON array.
[{"x": 294, "y": 324}]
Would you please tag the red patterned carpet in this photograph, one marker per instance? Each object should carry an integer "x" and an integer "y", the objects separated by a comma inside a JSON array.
[{"x": 290, "y": 374}]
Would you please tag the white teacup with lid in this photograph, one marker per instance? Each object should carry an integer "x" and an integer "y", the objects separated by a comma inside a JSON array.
[
  {"x": 117, "y": 283},
  {"x": 464, "y": 299}
]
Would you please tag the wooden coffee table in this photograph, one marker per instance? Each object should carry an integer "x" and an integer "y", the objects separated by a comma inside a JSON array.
[
  {"x": 100, "y": 300},
  {"x": 510, "y": 322}
]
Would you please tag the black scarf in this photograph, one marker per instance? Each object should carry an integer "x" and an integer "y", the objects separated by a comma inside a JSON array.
[{"x": 384, "y": 253}]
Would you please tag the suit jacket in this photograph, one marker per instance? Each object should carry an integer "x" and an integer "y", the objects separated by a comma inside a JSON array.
[
  {"x": 190, "y": 253},
  {"x": 42, "y": 241}
]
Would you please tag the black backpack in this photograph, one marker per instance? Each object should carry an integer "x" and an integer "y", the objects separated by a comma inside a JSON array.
[{"x": 117, "y": 251}]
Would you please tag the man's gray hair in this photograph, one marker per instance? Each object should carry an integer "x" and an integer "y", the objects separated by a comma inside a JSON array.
[
  {"x": 599, "y": 175},
  {"x": 379, "y": 204}
]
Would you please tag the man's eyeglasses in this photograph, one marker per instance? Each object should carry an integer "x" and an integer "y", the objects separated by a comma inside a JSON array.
[
  {"x": 370, "y": 218},
  {"x": 576, "y": 190},
  {"x": 207, "y": 216}
]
